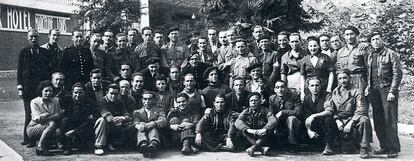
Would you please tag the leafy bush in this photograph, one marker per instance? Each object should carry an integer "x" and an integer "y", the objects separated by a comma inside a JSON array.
[{"x": 395, "y": 18}]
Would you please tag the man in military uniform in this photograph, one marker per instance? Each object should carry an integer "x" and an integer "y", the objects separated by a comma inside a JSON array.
[
  {"x": 148, "y": 49},
  {"x": 53, "y": 47},
  {"x": 121, "y": 54},
  {"x": 77, "y": 61},
  {"x": 175, "y": 51},
  {"x": 354, "y": 58},
  {"x": 108, "y": 41},
  {"x": 384, "y": 77},
  {"x": 32, "y": 68},
  {"x": 347, "y": 109}
]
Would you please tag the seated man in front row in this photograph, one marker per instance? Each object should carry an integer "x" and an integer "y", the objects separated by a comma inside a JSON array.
[
  {"x": 286, "y": 107},
  {"x": 80, "y": 115},
  {"x": 346, "y": 107},
  {"x": 183, "y": 121},
  {"x": 115, "y": 122},
  {"x": 256, "y": 123},
  {"x": 312, "y": 104},
  {"x": 215, "y": 131},
  {"x": 147, "y": 121}
]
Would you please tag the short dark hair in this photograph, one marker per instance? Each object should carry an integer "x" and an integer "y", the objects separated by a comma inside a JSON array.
[
  {"x": 326, "y": 35},
  {"x": 146, "y": 28},
  {"x": 203, "y": 37},
  {"x": 313, "y": 78},
  {"x": 161, "y": 77},
  {"x": 96, "y": 70},
  {"x": 295, "y": 34},
  {"x": 239, "y": 78},
  {"x": 220, "y": 96},
  {"x": 76, "y": 30},
  {"x": 181, "y": 95},
  {"x": 133, "y": 29},
  {"x": 43, "y": 85},
  {"x": 343, "y": 71},
  {"x": 281, "y": 81},
  {"x": 158, "y": 32},
  {"x": 283, "y": 33},
  {"x": 78, "y": 84},
  {"x": 53, "y": 29},
  {"x": 113, "y": 86}
]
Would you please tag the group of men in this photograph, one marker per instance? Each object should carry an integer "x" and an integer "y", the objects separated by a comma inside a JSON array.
[{"x": 219, "y": 92}]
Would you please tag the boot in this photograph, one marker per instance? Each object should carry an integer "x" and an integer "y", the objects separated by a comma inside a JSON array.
[{"x": 186, "y": 150}]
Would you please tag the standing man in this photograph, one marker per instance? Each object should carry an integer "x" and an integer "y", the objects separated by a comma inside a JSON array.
[
  {"x": 324, "y": 41},
  {"x": 148, "y": 49},
  {"x": 175, "y": 51},
  {"x": 212, "y": 39},
  {"x": 108, "y": 41},
  {"x": 159, "y": 38},
  {"x": 77, "y": 61},
  {"x": 354, "y": 58},
  {"x": 269, "y": 59},
  {"x": 133, "y": 39},
  {"x": 122, "y": 54},
  {"x": 336, "y": 42},
  {"x": 53, "y": 47},
  {"x": 384, "y": 77},
  {"x": 206, "y": 55},
  {"x": 101, "y": 60},
  {"x": 32, "y": 68},
  {"x": 258, "y": 31},
  {"x": 291, "y": 63}
]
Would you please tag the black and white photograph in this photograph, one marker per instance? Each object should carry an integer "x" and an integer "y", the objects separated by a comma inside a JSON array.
[{"x": 211, "y": 80}]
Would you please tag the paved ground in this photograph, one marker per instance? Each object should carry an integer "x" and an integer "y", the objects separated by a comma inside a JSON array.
[{"x": 11, "y": 122}]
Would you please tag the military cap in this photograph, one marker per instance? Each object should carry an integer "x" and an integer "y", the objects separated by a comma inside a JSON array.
[
  {"x": 152, "y": 60},
  {"x": 352, "y": 28}
]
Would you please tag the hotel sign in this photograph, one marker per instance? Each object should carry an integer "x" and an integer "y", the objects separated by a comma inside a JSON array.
[{"x": 22, "y": 19}]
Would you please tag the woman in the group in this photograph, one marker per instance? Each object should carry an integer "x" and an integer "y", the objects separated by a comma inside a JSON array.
[
  {"x": 46, "y": 112},
  {"x": 316, "y": 64}
]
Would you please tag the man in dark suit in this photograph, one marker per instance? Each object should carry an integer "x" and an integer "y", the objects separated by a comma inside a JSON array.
[
  {"x": 76, "y": 62},
  {"x": 148, "y": 120},
  {"x": 237, "y": 99},
  {"x": 33, "y": 67},
  {"x": 53, "y": 47},
  {"x": 97, "y": 87},
  {"x": 197, "y": 68}
]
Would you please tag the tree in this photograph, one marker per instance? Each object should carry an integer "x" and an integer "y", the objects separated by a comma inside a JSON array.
[
  {"x": 115, "y": 15},
  {"x": 275, "y": 15},
  {"x": 394, "y": 18}
]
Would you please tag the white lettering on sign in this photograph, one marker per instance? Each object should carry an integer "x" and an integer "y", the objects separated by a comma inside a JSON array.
[
  {"x": 44, "y": 23},
  {"x": 18, "y": 19}
]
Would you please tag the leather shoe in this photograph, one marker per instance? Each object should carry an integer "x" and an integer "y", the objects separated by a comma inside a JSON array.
[
  {"x": 392, "y": 154},
  {"x": 327, "y": 151},
  {"x": 380, "y": 151},
  {"x": 364, "y": 154},
  {"x": 265, "y": 150},
  {"x": 44, "y": 152},
  {"x": 250, "y": 151}
]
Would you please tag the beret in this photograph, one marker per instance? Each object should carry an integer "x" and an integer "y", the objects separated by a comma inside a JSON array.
[
  {"x": 263, "y": 37},
  {"x": 374, "y": 33},
  {"x": 173, "y": 29},
  {"x": 254, "y": 94},
  {"x": 209, "y": 70},
  {"x": 152, "y": 60},
  {"x": 253, "y": 66},
  {"x": 352, "y": 28}
]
